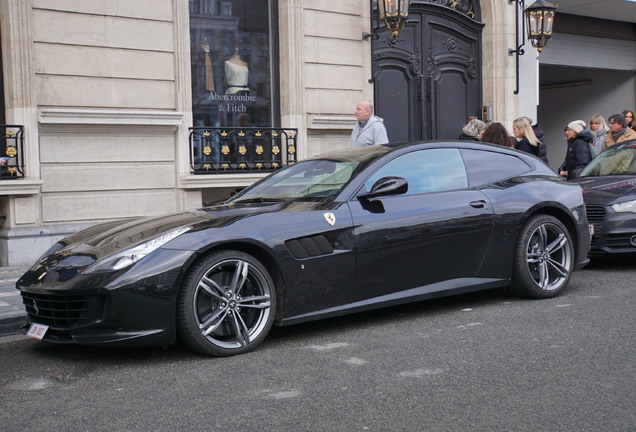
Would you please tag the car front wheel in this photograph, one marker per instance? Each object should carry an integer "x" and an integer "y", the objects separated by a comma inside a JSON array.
[
  {"x": 226, "y": 304},
  {"x": 544, "y": 259}
]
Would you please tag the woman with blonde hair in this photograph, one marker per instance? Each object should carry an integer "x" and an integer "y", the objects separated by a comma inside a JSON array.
[
  {"x": 599, "y": 127},
  {"x": 528, "y": 141}
]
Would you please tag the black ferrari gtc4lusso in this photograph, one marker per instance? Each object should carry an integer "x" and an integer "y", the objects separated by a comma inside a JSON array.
[{"x": 342, "y": 232}]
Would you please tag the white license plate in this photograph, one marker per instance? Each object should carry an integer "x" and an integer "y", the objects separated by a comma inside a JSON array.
[
  {"x": 37, "y": 331},
  {"x": 591, "y": 229}
]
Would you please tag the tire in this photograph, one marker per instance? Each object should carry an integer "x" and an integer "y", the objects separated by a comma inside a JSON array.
[
  {"x": 544, "y": 258},
  {"x": 226, "y": 304}
]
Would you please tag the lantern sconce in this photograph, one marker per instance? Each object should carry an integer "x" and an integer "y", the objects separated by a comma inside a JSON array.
[
  {"x": 539, "y": 21},
  {"x": 392, "y": 15}
]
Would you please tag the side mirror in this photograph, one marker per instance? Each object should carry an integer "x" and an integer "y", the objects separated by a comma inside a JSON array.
[{"x": 386, "y": 186}]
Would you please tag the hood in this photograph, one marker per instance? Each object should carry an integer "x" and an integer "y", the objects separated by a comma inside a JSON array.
[
  {"x": 538, "y": 132},
  {"x": 374, "y": 119},
  {"x": 585, "y": 135},
  {"x": 101, "y": 241},
  {"x": 607, "y": 190}
]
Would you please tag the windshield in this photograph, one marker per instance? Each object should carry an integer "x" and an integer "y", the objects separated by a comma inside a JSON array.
[
  {"x": 312, "y": 179},
  {"x": 616, "y": 160}
]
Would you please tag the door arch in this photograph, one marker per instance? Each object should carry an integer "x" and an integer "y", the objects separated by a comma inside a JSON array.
[{"x": 429, "y": 80}]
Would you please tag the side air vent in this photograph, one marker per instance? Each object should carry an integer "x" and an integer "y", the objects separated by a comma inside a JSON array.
[{"x": 309, "y": 247}]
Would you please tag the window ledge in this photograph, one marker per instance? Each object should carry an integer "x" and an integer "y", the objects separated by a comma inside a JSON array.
[
  {"x": 109, "y": 117},
  {"x": 204, "y": 181},
  {"x": 20, "y": 187}
]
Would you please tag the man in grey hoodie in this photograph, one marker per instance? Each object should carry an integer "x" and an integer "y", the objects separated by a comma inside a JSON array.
[{"x": 369, "y": 129}]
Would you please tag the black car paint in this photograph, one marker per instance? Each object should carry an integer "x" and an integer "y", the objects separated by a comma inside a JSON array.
[
  {"x": 612, "y": 230},
  {"x": 366, "y": 236}
]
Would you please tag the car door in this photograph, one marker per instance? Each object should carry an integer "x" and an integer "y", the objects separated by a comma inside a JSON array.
[{"x": 438, "y": 230}]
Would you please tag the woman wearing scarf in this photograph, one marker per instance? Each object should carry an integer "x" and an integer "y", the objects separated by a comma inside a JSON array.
[
  {"x": 599, "y": 127},
  {"x": 618, "y": 131}
]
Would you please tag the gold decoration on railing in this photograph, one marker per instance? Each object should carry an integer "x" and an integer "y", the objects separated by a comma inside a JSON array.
[
  {"x": 274, "y": 134},
  {"x": 291, "y": 149},
  {"x": 223, "y": 134},
  {"x": 259, "y": 165},
  {"x": 290, "y": 134},
  {"x": 241, "y": 134},
  {"x": 258, "y": 133},
  {"x": 225, "y": 166},
  {"x": 11, "y": 151},
  {"x": 207, "y": 167},
  {"x": 206, "y": 134},
  {"x": 275, "y": 150},
  {"x": 207, "y": 150},
  {"x": 274, "y": 165},
  {"x": 225, "y": 149},
  {"x": 242, "y": 166},
  {"x": 259, "y": 150},
  {"x": 10, "y": 133},
  {"x": 242, "y": 149},
  {"x": 12, "y": 171}
]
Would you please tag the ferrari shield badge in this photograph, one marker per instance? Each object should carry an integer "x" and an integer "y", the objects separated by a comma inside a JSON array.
[{"x": 330, "y": 218}]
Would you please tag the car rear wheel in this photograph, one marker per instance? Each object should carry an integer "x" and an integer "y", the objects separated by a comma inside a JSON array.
[
  {"x": 543, "y": 258},
  {"x": 226, "y": 304}
]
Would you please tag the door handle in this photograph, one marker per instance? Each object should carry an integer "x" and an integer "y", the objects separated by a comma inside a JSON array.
[{"x": 478, "y": 204}]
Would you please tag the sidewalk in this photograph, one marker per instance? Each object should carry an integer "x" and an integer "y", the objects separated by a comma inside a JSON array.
[{"x": 11, "y": 308}]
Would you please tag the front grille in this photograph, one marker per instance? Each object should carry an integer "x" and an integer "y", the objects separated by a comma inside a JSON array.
[
  {"x": 62, "y": 311},
  {"x": 595, "y": 216}
]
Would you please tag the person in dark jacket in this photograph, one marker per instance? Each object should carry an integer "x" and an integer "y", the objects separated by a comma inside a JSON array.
[
  {"x": 528, "y": 141},
  {"x": 538, "y": 132},
  {"x": 472, "y": 130},
  {"x": 579, "y": 151}
]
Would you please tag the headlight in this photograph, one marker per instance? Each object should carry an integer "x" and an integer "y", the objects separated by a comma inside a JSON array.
[
  {"x": 627, "y": 206},
  {"x": 56, "y": 247},
  {"x": 130, "y": 256}
]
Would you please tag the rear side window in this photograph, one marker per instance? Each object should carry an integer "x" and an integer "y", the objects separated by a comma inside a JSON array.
[{"x": 484, "y": 167}]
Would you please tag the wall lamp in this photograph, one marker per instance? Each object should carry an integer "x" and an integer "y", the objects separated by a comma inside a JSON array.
[
  {"x": 392, "y": 15},
  {"x": 539, "y": 21}
]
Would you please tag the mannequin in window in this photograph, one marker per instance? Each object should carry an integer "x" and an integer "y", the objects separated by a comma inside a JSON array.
[
  {"x": 209, "y": 71},
  {"x": 236, "y": 74}
]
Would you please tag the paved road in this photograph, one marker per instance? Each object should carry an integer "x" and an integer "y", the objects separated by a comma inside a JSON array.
[{"x": 482, "y": 362}]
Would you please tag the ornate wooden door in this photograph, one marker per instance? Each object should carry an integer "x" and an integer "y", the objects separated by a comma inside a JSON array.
[{"x": 428, "y": 81}]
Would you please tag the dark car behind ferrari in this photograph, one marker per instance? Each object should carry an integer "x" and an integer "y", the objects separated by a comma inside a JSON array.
[
  {"x": 342, "y": 232},
  {"x": 609, "y": 191}
]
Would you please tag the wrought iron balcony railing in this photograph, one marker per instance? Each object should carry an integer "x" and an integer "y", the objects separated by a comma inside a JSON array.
[
  {"x": 11, "y": 151},
  {"x": 218, "y": 150}
]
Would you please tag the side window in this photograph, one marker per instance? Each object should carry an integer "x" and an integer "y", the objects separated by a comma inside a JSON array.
[
  {"x": 430, "y": 170},
  {"x": 486, "y": 167}
]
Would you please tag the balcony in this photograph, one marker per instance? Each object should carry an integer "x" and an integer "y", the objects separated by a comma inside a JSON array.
[
  {"x": 11, "y": 152},
  {"x": 218, "y": 150}
]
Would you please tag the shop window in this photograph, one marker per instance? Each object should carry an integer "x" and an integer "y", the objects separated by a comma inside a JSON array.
[{"x": 233, "y": 63}]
